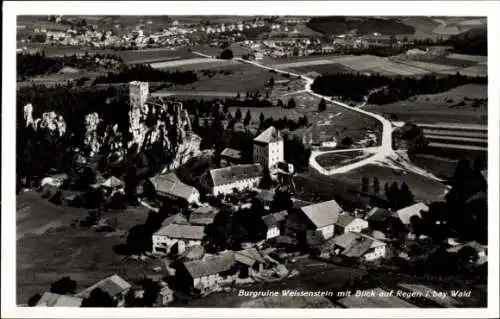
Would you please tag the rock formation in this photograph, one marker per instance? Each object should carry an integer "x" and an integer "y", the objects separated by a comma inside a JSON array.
[{"x": 50, "y": 121}]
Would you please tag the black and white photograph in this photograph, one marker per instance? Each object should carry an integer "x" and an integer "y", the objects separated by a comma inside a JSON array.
[{"x": 204, "y": 159}]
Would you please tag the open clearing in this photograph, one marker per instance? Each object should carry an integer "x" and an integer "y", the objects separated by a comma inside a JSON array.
[
  {"x": 433, "y": 108},
  {"x": 48, "y": 247},
  {"x": 242, "y": 78},
  {"x": 333, "y": 160}
]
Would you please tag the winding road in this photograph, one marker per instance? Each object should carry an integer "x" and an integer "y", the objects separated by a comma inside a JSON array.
[{"x": 383, "y": 154}]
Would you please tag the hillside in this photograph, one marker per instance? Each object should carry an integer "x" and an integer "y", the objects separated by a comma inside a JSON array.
[
  {"x": 341, "y": 25},
  {"x": 473, "y": 41}
]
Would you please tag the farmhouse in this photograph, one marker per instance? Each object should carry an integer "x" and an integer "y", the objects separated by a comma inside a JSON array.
[
  {"x": 50, "y": 299},
  {"x": 379, "y": 219},
  {"x": 115, "y": 286},
  {"x": 113, "y": 185},
  {"x": 175, "y": 238},
  {"x": 230, "y": 157},
  {"x": 348, "y": 223},
  {"x": 212, "y": 270},
  {"x": 268, "y": 148},
  {"x": 170, "y": 186},
  {"x": 239, "y": 177},
  {"x": 314, "y": 223},
  {"x": 274, "y": 224},
  {"x": 265, "y": 197},
  {"x": 201, "y": 219},
  {"x": 358, "y": 245},
  {"x": 165, "y": 296},
  {"x": 406, "y": 213}
]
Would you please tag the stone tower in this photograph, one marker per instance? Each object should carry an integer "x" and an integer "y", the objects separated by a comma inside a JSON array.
[{"x": 138, "y": 95}]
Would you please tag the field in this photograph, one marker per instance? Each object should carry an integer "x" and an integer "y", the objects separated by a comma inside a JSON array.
[
  {"x": 333, "y": 160},
  {"x": 242, "y": 78},
  {"x": 193, "y": 64},
  {"x": 439, "y": 166},
  {"x": 237, "y": 48},
  {"x": 48, "y": 248},
  {"x": 323, "y": 69},
  {"x": 422, "y": 187},
  {"x": 442, "y": 107}
]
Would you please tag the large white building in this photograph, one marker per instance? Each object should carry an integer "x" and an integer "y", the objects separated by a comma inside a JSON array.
[
  {"x": 239, "y": 177},
  {"x": 268, "y": 148}
]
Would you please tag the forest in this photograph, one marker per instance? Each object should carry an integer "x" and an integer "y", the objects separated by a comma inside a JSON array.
[{"x": 356, "y": 86}]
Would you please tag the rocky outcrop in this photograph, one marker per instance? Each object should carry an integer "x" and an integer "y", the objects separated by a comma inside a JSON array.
[{"x": 50, "y": 121}]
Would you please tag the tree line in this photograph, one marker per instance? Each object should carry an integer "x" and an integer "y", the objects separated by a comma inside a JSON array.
[
  {"x": 356, "y": 86},
  {"x": 148, "y": 74},
  {"x": 38, "y": 64}
]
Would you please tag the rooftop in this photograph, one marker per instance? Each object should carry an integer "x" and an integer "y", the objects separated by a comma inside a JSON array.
[
  {"x": 170, "y": 184},
  {"x": 112, "y": 285},
  {"x": 270, "y": 135},
  {"x": 378, "y": 214},
  {"x": 404, "y": 214},
  {"x": 322, "y": 214},
  {"x": 231, "y": 174},
  {"x": 210, "y": 265},
  {"x": 273, "y": 219},
  {"x": 182, "y": 231},
  {"x": 202, "y": 218},
  {"x": 231, "y": 153},
  {"x": 55, "y": 300},
  {"x": 344, "y": 220},
  {"x": 112, "y": 182}
]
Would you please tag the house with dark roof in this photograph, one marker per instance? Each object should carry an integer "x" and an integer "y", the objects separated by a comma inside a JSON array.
[
  {"x": 359, "y": 245},
  {"x": 265, "y": 197},
  {"x": 115, "y": 286},
  {"x": 268, "y": 148},
  {"x": 348, "y": 223},
  {"x": 240, "y": 177},
  {"x": 230, "y": 156},
  {"x": 201, "y": 219},
  {"x": 212, "y": 270},
  {"x": 50, "y": 299},
  {"x": 314, "y": 223},
  {"x": 170, "y": 186},
  {"x": 174, "y": 238},
  {"x": 273, "y": 224},
  {"x": 379, "y": 219}
]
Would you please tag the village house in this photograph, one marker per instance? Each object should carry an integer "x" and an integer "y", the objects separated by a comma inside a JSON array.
[
  {"x": 50, "y": 299},
  {"x": 201, "y": 219},
  {"x": 268, "y": 148},
  {"x": 115, "y": 286},
  {"x": 274, "y": 224},
  {"x": 54, "y": 180},
  {"x": 230, "y": 157},
  {"x": 348, "y": 223},
  {"x": 165, "y": 296},
  {"x": 405, "y": 214},
  {"x": 174, "y": 238},
  {"x": 170, "y": 186},
  {"x": 379, "y": 219},
  {"x": 192, "y": 253},
  {"x": 212, "y": 270},
  {"x": 112, "y": 185},
  {"x": 239, "y": 177},
  {"x": 358, "y": 245},
  {"x": 314, "y": 223}
]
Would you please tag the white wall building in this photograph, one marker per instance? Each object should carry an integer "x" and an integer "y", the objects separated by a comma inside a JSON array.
[
  {"x": 181, "y": 235},
  {"x": 241, "y": 177},
  {"x": 268, "y": 148},
  {"x": 348, "y": 223}
]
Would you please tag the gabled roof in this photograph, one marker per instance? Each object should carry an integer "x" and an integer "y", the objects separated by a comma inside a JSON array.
[
  {"x": 112, "y": 285},
  {"x": 206, "y": 210},
  {"x": 232, "y": 174},
  {"x": 344, "y": 220},
  {"x": 404, "y": 214},
  {"x": 210, "y": 265},
  {"x": 182, "y": 231},
  {"x": 271, "y": 134},
  {"x": 248, "y": 256},
  {"x": 192, "y": 253},
  {"x": 202, "y": 218},
  {"x": 231, "y": 153},
  {"x": 358, "y": 248},
  {"x": 345, "y": 240},
  {"x": 378, "y": 214},
  {"x": 322, "y": 214},
  {"x": 178, "y": 218},
  {"x": 112, "y": 182},
  {"x": 170, "y": 184},
  {"x": 273, "y": 219},
  {"x": 50, "y": 299}
]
